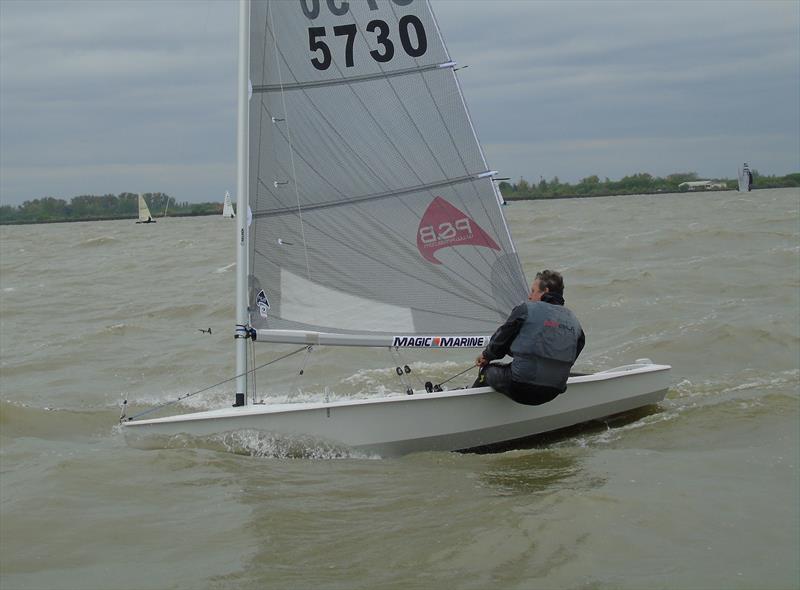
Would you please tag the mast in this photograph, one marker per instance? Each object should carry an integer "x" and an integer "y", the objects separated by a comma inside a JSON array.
[{"x": 242, "y": 156}]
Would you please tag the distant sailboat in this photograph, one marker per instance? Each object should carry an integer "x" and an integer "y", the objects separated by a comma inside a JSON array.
[
  {"x": 745, "y": 179},
  {"x": 144, "y": 212},
  {"x": 227, "y": 208}
]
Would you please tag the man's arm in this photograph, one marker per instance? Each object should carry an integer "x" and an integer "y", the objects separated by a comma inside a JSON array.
[
  {"x": 500, "y": 344},
  {"x": 581, "y": 343}
]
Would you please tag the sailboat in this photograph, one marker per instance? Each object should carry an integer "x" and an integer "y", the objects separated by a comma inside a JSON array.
[
  {"x": 373, "y": 221},
  {"x": 745, "y": 179},
  {"x": 144, "y": 212},
  {"x": 227, "y": 207}
]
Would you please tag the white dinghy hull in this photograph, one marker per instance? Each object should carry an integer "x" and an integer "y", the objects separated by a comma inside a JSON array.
[{"x": 441, "y": 421}]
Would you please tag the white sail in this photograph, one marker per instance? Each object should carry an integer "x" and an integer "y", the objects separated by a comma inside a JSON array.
[
  {"x": 144, "y": 211},
  {"x": 745, "y": 179},
  {"x": 227, "y": 207},
  {"x": 374, "y": 209}
]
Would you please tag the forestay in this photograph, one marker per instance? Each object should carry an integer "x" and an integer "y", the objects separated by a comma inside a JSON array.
[{"x": 374, "y": 210}]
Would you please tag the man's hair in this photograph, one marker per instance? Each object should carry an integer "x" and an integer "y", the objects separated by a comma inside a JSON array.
[{"x": 550, "y": 280}]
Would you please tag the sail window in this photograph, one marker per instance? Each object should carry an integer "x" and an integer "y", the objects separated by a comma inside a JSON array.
[{"x": 316, "y": 304}]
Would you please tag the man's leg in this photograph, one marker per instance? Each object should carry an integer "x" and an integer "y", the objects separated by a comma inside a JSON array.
[
  {"x": 498, "y": 377},
  {"x": 480, "y": 381}
]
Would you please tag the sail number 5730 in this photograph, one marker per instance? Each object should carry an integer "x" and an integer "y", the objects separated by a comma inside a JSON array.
[{"x": 408, "y": 26}]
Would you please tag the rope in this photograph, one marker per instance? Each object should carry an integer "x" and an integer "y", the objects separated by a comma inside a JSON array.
[
  {"x": 183, "y": 397},
  {"x": 309, "y": 350},
  {"x": 457, "y": 375},
  {"x": 399, "y": 370},
  {"x": 253, "y": 364}
]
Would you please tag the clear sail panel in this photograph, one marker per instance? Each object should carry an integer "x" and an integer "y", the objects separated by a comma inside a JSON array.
[{"x": 371, "y": 208}]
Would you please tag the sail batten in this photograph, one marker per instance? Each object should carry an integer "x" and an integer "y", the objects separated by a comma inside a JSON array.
[
  {"x": 289, "y": 86},
  {"x": 393, "y": 193},
  {"x": 347, "y": 155},
  {"x": 373, "y": 206}
]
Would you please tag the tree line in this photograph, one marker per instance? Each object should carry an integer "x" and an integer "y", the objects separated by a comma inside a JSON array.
[
  {"x": 125, "y": 205},
  {"x": 635, "y": 184},
  {"x": 94, "y": 208}
]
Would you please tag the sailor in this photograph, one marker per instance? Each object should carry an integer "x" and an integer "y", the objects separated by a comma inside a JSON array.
[{"x": 543, "y": 337}]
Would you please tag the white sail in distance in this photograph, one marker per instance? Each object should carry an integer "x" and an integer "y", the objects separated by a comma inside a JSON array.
[
  {"x": 227, "y": 207},
  {"x": 144, "y": 210},
  {"x": 745, "y": 179}
]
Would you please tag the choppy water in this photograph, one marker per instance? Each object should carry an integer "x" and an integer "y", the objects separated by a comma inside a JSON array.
[{"x": 701, "y": 492}]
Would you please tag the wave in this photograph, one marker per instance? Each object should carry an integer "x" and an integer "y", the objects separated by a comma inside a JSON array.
[
  {"x": 538, "y": 471},
  {"x": 19, "y": 420},
  {"x": 179, "y": 312},
  {"x": 659, "y": 240},
  {"x": 226, "y": 268},
  {"x": 753, "y": 336},
  {"x": 731, "y": 398},
  {"x": 738, "y": 384},
  {"x": 383, "y": 380},
  {"x": 98, "y": 242}
]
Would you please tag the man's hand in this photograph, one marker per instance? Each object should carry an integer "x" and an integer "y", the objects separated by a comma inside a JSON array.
[{"x": 481, "y": 361}]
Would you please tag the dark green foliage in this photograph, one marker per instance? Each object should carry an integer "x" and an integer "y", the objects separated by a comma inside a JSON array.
[
  {"x": 761, "y": 181},
  {"x": 636, "y": 184},
  {"x": 93, "y": 208},
  {"x": 124, "y": 205}
]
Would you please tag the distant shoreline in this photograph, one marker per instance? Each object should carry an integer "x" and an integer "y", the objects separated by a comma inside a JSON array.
[
  {"x": 85, "y": 219},
  {"x": 634, "y": 194},
  {"x": 508, "y": 198},
  {"x": 636, "y": 184}
]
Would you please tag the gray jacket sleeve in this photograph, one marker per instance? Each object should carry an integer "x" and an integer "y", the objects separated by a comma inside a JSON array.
[{"x": 500, "y": 343}]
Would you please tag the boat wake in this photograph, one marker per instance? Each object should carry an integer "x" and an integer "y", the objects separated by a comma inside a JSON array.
[
  {"x": 252, "y": 443},
  {"x": 739, "y": 397}
]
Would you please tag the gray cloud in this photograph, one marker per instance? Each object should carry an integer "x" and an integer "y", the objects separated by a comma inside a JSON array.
[
  {"x": 613, "y": 88},
  {"x": 102, "y": 97},
  {"x": 112, "y": 96}
]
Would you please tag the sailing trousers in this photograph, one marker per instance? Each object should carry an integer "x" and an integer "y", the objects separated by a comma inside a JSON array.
[{"x": 498, "y": 377}]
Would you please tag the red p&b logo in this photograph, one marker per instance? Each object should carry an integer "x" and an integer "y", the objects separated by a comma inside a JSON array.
[{"x": 443, "y": 225}]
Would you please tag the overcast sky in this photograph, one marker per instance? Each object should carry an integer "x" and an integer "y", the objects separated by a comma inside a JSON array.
[{"x": 109, "y": 96}]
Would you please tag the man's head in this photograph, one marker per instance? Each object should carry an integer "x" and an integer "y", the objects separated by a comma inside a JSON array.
[{"x": 546, "y": 281}]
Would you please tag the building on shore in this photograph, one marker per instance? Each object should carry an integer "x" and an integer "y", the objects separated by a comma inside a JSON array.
[{"x": 706, "y": 185}]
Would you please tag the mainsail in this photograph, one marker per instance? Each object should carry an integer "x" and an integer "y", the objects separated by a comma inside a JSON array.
[
  {"x": 227, "y": 206},
  {"x": 374, "y": 210},
  {"x": 144, "y": 210},
  {"x": 745, "y": 179}
]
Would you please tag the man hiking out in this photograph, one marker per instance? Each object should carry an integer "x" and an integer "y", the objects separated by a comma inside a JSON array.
[{"x": 543, "y": 337}]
